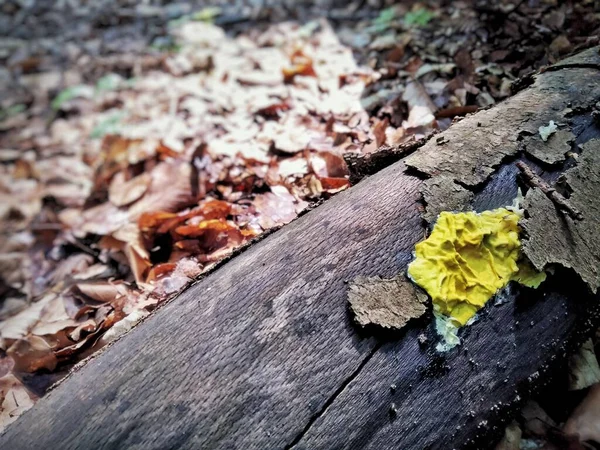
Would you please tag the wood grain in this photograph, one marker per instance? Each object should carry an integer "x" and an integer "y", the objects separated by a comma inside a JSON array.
[
  {"x": 244, "y": 358},
  {"x": 262, "y": 353},
  {"x": 464, "y": 397}
]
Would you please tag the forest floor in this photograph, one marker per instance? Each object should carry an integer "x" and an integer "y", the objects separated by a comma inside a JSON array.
[{"x": 142, "y": 143}]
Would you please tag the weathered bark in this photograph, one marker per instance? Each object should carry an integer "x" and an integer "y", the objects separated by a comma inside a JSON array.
[{"x": 263, "y": 353}]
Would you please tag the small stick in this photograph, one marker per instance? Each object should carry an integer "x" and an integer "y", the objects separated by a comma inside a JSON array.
[{"x": 533, "y": 180}]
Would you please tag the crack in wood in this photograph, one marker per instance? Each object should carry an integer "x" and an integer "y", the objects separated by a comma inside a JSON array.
[{"x": 333, "y": 397}]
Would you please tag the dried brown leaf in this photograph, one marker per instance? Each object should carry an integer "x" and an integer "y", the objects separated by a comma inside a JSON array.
[
  {"x": 122, "y": 193},
  {"x": 15, "y": 399},
  {"x": 31, "y": 354}
]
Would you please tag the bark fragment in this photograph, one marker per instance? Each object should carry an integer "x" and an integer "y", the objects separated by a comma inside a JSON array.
[
  {"x": 534, "y": 181},
  {"x": 443, "y": 194},
  {"x": 362, "y": 165},
  {"x": 552, "y": 237},
  {"x": 389, "y": 303},
  {"x": 470, "y": 150},
  {"x": 553, "y": 150}
]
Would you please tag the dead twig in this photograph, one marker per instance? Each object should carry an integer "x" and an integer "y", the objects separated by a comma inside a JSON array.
[
  {"x": 533, "y": 180},
  {"x": 361, "y": 165}
]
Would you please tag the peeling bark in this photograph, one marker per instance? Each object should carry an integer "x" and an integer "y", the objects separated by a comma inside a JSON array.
[
  {"x": 444, "y": 194},
  {"x": 552, "y": 151},
  {"x": 472, "y": 149},
  {"x": 386, "y": 303},
  {"x": 553, "y": 237}
]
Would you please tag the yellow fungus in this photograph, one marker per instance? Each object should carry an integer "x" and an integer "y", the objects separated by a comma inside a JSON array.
[{"x": 467, "y": 258}]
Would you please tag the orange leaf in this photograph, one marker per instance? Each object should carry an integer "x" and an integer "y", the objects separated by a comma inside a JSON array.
[
  {"x": 202, "y": 227},
  {"x": 334, "y": 183},
  {"x": 301, "y": 65},
  {"x": 154, "y": 219},
  {"x": 214, "y": 209},
  {"x": 160, "y": 270}
]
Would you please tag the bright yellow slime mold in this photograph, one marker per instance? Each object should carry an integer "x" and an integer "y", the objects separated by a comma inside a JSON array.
[{"x": 467, "y": 258}]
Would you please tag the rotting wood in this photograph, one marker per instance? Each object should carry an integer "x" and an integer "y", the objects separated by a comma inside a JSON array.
[
  {"x": 551, "y": 238},
  {"x": 262, "y": 353},
  {"x": 361, "y": 165},
  {"x": 534, "y": 181},
  {"x": 474, "y": 147}
]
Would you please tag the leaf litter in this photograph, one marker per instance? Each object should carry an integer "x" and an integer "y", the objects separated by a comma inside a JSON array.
[
  {"x": 236, "y": 136},
  {"x": 131, "y": 173}
]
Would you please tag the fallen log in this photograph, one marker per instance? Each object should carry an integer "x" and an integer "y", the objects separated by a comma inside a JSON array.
[{"x": 263, "y": 353}]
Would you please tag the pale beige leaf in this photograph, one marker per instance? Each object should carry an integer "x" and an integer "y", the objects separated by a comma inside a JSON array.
[
  {"x": 122, "y": 193},
  {"x": 31, "y": 354},
  {"x": 14, "y": 400},
  {"x": 583, "y": 367}
]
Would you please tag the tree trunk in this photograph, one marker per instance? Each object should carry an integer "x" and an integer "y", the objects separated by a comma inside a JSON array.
[{"x": 263, "y": 353}]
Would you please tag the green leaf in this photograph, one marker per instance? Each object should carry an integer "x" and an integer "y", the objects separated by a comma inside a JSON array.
[
  {"x": 69, "y": 94},
  {"x": 12, "y": 111},
  {"x": 108, "y": 82},
  {"x": 110, "y": 125},
  {"x": 385, "y": 16},
  {"x": 419, "y": 17},
  {"x": 204, "y": 15},
  {"x": 207, "y": 14},
  {"x": 383, "y": 21}
]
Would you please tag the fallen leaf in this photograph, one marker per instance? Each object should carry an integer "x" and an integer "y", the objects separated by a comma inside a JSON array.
[
  {"x": 420, "y": 106},
  {"x": 15, "y": 399},
  {"x": 105, "y": 292},
  {"x": 583, "y": 367},
  {"x": 301, "y": 65},
  {"x": 536, "y": 420},
  {"x": 32, "y": 354},
  {"x": 122, "y": 193},
  {"x": 512, "y": 438},
  {"x": 560, "y": 45},
  {"x": 585, "y": 420},
  {"x": 277, "y": 208}
]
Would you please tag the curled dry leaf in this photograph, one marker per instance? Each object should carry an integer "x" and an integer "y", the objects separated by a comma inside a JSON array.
[
  {"x": 104, "y": 292},
  {"x": 122, "y": 193},
  {"x": 512, "y": 438},
  {"x": 536, "y": 420},
  {"x": 422, "y": 108},
  {"x": 583, "y": 367},
  {"x": 19, "y": 325},
  {"x": 32, "y": 354},
  {"x": 301, "y": 65}
]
